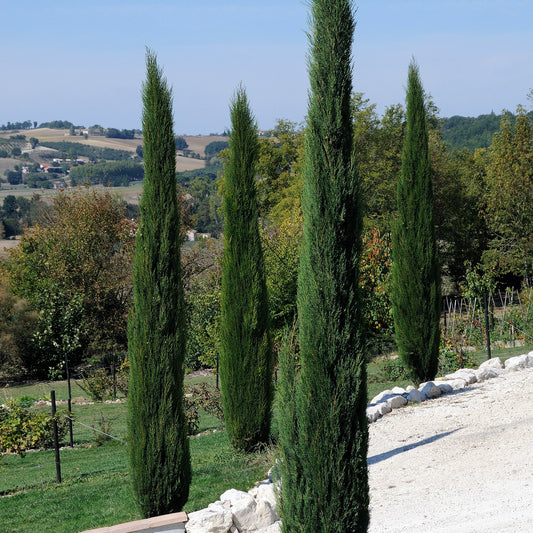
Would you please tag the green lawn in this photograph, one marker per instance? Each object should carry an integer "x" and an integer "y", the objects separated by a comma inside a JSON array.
[{"x": 96, "y": 491}]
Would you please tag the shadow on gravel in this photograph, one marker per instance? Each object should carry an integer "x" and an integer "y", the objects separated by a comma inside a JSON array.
[{"x": 387, "y": 455}]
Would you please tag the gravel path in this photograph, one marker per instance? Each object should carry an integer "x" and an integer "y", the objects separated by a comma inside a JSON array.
[{"x": 460, "y": 463}]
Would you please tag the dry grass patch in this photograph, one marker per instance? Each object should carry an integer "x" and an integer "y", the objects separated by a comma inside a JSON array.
[
  {"x": 8, "y": 244},
  {"x": 197, "y": 143}
]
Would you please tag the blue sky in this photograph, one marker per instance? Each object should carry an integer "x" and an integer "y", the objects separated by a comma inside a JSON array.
[{"x": 84, "y": 61}]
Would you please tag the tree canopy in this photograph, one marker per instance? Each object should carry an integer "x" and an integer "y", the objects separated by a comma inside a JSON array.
[{"x": 81, "y": 250}]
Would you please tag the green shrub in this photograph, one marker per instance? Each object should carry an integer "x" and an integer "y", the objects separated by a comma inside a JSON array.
[
  {"x": 26, "y": 401},
  {"x": 103, "y": 431},
  {"x": 192, "y": 414},
  {"x": 22, "y": 430},
  {"x": 393, "y": 370},
  {"x": 452, "y": 359},
  {"x": 100, "y": 385},
  {"x": 97, "y": 384},
  {"x": 206, "y": 397}
]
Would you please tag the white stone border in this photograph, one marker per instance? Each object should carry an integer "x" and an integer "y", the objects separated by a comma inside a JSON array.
[{"x": 388, "y": 400}]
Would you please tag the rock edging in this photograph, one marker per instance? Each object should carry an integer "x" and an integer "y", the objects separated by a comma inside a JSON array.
[
  {"x": 254, "y": 511},
  {"x": 388, "y": 400}
]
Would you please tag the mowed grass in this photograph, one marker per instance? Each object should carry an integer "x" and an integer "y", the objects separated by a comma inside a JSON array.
[{"x": 96, "y": 489}]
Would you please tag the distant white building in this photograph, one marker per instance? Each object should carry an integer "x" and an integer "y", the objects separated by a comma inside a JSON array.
[{"x": 191, "y": 235}]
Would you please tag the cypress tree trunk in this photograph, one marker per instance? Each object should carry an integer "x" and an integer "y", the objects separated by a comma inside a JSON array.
[
  {"x": 158, "y": 444},
  {"x": 246, "y": 348},
  {"x": 416, "y": 294},
  {"x": 324, "y": 472}
]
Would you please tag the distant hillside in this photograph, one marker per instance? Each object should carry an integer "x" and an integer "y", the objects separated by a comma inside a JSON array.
[
  {"x": 470, "y": 132},
  {"x": 94, "y": 145}
]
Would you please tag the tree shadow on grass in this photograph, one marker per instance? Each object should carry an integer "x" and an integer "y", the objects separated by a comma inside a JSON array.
[{"x": 387, "y": 455}]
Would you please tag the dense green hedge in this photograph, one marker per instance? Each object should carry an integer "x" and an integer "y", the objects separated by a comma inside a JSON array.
[
  {"x": 85, "y": 150},
  {"x": 112, "y": 173}
]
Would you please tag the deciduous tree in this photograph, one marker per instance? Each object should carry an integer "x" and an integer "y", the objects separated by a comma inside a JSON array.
[
  {"x": 509, "y": 198},
  {"x": 80, "y": 249}
]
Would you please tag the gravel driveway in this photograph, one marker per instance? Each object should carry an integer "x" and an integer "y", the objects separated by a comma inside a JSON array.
[{"x": 460, "y": 463}]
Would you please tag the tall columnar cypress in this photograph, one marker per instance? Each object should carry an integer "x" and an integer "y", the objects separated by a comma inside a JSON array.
[
  {"x": 158, "y": 444},
  {"x": 246, "y": 348},
  {"x": 416, "y": 293},
  {"x": 324, "y": 432}
]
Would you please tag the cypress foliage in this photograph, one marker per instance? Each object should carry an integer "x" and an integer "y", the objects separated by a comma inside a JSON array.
[
  {"x": 416, "y": 293},
  {"x": 246, "y": 348},
  {"x": 323, "y": 429},
  {"x": 158, "y": 444}
]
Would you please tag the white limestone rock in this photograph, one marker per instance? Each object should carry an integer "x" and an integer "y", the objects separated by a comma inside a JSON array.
[
  {"x": 468, "y": 374},
  {"x": 409, "y": 388},
  {"x": 416, "y": 396},
  {"x": 381, "y": 397},
  {"x": 373, "y": 412},
  {"x": 396, "y": 401},
  {"x": 266, "y": 492},
  {"x": 457, "y": 384},
  {"x": 517, "y": 363},
  {"x": 384, "y": 408},
  {"x": 399, "y": 390},
  {"x": 243, "y": 508},
  {"x": 530, "y": 359},
  {"x": 248, "y": 514},
  {"x": 265, "y": 516},
  {"x": 488, "y": 372},
  {"x": 491, "y": 363},
  {"x": 215, "y": 519},
  {"x": 430, "y": 390},
  {"x": 274, "y": 528},
  {"x": 444, "y": 387}
]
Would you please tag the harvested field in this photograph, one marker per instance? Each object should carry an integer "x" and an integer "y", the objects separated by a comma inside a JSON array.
[{"x": 6, "y": 245}]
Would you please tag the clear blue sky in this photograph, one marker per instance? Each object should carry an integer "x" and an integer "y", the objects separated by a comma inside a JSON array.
[{"x": 83, "y": 61}]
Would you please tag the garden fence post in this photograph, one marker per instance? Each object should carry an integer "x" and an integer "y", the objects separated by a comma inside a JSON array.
[
  {"x": 487, "y": 325},
  {"x": 113, "y": 371},
  {"x": 69, "y": 402},
  {"x": 56, "y": 436}
]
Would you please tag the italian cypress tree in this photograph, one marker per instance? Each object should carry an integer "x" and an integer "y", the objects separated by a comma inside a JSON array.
[
  {"x": 324, "y": 433},
  {"x": 416, "y": 294},
  {"x": 158, "y": 444},
  {"x": 246, "y": 348}
]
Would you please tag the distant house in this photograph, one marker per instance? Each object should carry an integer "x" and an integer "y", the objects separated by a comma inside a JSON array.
[{"x": 191, "y": 235}]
